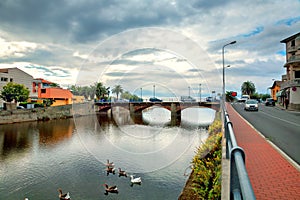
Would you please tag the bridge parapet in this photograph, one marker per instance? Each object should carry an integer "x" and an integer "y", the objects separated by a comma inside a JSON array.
[{"x": 175, "y": 107}]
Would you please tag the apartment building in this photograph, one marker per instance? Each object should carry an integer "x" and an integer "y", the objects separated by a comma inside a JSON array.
[{"x": 290, "y": 89}]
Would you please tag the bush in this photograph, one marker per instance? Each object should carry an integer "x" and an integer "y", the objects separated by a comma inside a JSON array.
[{"x": 207, "y": 164}]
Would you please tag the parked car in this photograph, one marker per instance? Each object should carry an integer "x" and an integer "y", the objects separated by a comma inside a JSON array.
[
  {"x": 270, "y": 102},
  {"x": 251, "y": 105},
  {"x": 154, "y": 99},
  {"x": 209, "y": 99},
  {"x": 20, "y": 107}
]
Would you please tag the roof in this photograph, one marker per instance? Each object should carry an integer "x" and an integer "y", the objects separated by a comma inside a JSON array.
[
  {"x": 290, "y": 38},
  {"x": 278, "y": 83},
  {"x": 43, "y": 80},
  {"x": 5, "y": 70}
]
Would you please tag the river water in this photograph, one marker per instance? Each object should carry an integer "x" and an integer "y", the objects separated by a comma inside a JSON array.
[{"x": 37, "y": 158}]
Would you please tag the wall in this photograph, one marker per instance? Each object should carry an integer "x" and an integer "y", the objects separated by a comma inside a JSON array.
[{"x": 44, "y": 114}]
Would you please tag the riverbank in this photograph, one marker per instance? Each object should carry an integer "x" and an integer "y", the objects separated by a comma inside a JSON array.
[
  {"x": 204, "y": 181},
  {"x": 45, "y": 114}
]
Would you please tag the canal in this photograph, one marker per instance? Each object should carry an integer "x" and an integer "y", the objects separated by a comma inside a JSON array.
[{"x": 37, "y": 158}]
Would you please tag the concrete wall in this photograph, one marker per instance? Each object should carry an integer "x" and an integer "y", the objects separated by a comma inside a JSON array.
[{"x": 44, "y": 114}]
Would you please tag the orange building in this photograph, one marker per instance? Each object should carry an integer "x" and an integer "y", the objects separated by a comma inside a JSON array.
[
  {"x": 275, "y": 88},
  {"x": 43, "y": 90}
]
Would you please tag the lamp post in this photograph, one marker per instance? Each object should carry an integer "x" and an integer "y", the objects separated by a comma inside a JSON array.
[
  {"x": 154, "y": 91},
  {"x": 200, "y": 93},
  {"x": 189, "y": 91},
  {"x": 233, "y": 42},
  {"x": 141, "y": 93}
]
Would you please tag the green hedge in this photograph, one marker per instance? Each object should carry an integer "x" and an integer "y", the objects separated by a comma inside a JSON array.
[{"x": 207, "y": 164}]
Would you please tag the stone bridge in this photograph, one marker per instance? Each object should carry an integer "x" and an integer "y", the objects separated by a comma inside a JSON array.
[{"x": 136, "y": 108}]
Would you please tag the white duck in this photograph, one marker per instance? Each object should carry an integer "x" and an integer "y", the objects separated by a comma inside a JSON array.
[{"x": 137, "y": 180}]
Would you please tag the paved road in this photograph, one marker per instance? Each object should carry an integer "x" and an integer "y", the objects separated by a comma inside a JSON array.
[{"x": 278, "y": 125}]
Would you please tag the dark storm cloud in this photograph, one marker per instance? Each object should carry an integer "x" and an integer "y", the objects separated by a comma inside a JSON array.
[{"x": 82, "y": 21}]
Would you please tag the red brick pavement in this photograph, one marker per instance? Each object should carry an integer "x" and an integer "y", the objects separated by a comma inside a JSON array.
[{"x": 271, "y": 175}]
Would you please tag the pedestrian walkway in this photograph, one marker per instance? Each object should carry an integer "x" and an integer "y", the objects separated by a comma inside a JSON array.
[{"x": 271, "y": 175}]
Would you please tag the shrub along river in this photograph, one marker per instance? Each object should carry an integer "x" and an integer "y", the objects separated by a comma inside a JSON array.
[{"x": 37, "y": 158}]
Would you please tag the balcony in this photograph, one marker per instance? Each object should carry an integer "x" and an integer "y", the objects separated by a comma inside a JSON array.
[
  {"x": 290, "y": 83},
  {"x": 292, "y": 49},
  {"x": 294, "y": 58}
]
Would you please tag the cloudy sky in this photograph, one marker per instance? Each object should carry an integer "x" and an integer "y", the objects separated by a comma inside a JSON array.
[{"x": 165, "y": 48}]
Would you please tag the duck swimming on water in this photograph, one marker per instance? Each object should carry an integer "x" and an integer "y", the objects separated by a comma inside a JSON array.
[
  {"x": 135, "y": 180},
  {"x": 63, "y": 196},
  {"x": 110, "y": 170},
  {"x": 110, "y": 189},
  {"x": 109, "y": 164},
  {"x": 122, "y": 173}
]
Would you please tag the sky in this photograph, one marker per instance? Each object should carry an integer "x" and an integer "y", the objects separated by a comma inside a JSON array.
[{"x": 166, "y": 48}]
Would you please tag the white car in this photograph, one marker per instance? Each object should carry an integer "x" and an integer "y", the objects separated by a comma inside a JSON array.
[{"x": 251, "y": 105}]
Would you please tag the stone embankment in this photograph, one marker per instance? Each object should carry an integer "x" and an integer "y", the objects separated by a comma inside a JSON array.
[{"x": 47, "y": 113}]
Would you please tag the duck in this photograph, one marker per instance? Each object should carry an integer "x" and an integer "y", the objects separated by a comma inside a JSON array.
[
  {"x": 135, "y": 180},
  {"x": 109, "y": 164},
  {"x": 63, "y": 196},
  {"x": 110, "y": 170},
  {"x": 122, "y": 173},
  {"x": 110, "y": 189}
]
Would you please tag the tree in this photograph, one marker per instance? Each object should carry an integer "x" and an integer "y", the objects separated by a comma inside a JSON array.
[
  {"x": 14, "y": 91},
  {"x": 117, "y": 90},
  {"x": 101, "y": 91},
  {"x": 248, "y": 88}
]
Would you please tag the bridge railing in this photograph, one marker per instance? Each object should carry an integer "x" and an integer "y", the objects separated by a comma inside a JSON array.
[{"x": 240, "y": 186}]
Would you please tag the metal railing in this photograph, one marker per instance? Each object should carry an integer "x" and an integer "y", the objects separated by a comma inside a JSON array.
[{"x": 240, "y": 186}]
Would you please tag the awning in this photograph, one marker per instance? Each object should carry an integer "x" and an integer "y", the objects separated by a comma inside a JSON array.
[{"x": 280, "y": 93}]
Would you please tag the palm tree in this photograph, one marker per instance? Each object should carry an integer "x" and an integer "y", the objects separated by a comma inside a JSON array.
[
  {"x": 248, "y": 88},
  {"x": 100, "y": 90},
  {"x": 117, "y": 90}
]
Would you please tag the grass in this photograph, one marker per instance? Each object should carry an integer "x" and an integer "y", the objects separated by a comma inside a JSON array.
[{"x": 205, "y": 179}]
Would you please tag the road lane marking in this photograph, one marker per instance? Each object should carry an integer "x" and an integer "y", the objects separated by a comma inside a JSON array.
[{"x": 280, "y": 119}]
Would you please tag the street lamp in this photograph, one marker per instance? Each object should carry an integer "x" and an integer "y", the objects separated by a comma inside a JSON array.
[
  {"x": 154, "y": 91},
  {"x": 233, "y": 42},
  {"x": 141, "y": 93},
  {"x": 200, "y": 93},
  {"x": 189, "y": 91}
]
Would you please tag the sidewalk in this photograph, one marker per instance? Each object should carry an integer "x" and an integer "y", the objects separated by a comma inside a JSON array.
[{"x": 271, "y": 175}]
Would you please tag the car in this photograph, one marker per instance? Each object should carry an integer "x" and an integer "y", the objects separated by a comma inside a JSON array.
[
  {"x": 270, "y": 102},
  {"x": 251, "y": 105},
  {"x": 20, "y": 107},
  {"x": 209, "y": 99},
  {"x": 154, "y": 99},
  {"x": 187, "y": 99},
  {"x": 244, "y": 98}
]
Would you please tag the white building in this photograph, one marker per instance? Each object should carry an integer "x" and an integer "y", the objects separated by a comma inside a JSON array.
[{"x": 17, "y": 76}]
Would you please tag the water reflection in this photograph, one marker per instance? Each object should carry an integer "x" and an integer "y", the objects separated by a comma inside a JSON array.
[
  {"x": 55, "y": 131},
  {"x": 37, "y": 158}
]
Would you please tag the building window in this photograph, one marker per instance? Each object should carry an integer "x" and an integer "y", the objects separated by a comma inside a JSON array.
[
  {"x": 292, "y": 43},
  {"x": 11, "y": 80},
  {"x": 297, "y": 74},
  {"x": 43, "y": 90},
  {"x": 4, "y": 79}
]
